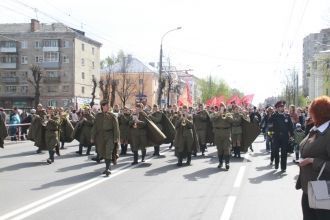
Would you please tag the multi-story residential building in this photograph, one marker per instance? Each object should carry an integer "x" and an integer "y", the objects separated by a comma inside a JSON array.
[
  {"x": 319, "y": 75},
  {"x": 313, "y": 44},
  {"x": 135, "y": 81},
  {"x": 68, "y": 60}
]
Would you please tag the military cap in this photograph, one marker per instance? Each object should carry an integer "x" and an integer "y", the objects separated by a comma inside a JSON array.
[
  {"x": 104, "y": 102},
  {"x": 155, "y": 106},
  {"x": 280, "y": 104}
]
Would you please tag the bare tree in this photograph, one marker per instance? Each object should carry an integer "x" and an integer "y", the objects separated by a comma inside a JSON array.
[
  {"x": 93, "y": 91},
  {"x": 35, "y": 82},
  {"x": 104, "y": 86}
]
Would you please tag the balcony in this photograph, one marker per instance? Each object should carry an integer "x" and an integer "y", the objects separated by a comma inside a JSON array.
[
  {"x": 50, "y": 80},
  {"x": 50, "y": 65},
  {"x": 50, "y": 49},
  {"x": 8, "y": 65},
  {"x": 8, "y": 50},
  {"x": 10, "y": 79}
]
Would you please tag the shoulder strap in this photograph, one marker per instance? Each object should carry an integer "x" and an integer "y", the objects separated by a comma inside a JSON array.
[{"x": 321, "y": 171}]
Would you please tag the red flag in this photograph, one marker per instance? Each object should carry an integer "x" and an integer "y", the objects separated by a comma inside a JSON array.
[
  {"x": 247, "y": 100},
  {"x": 234, "y": 100},
  {"x": 185, "y": 98}
]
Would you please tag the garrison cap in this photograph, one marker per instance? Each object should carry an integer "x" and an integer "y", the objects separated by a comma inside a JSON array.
[{"x": 280, "y": 104}]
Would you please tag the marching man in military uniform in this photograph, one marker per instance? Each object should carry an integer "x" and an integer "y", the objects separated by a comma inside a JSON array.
[
  {"x": 222, "y": 122},
  {"x": 156, "y": 116},
  {"x": 52, "y": 138},
  {"x": 105, "y": 134},
  {"x": 3, "y": 131},
  {"x": 236, "y": 131},
  {"x": 184, "y": 138},
  {"x": 201, "y": 122},
  {"x": 83, "y": 131},
  {"x": 281, "y": 125},
  {"x": 123, "y": 120},
  {"x": 138, "y": 133}
]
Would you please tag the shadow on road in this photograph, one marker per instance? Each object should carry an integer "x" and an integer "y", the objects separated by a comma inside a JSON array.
[
  {"x": 201, "y": 174},
  {"x": 76, "y": 167},
  {"x": 161, "y": 170},
  {"x": 22, "y": 166},
  {"x": 22, "y": 154},
  {"x": 70, "y": 180},
  {"x": 270, "y": 176}
]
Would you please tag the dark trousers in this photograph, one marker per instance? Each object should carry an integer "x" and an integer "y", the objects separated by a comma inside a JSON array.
[
  {"x": 313, "y": 214},
  {"x": 281, "y": 142}
]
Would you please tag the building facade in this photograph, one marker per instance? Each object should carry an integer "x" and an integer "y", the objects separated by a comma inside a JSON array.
[
  {"x": 319, "y": 75},
  {"x": 312, "y": 45},
  {"x": 136, "y": 82},
  {"x": 67, "y": 58}
]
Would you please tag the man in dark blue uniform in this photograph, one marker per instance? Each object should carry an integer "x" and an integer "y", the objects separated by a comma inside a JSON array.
[{"x": 282, "y": 128}]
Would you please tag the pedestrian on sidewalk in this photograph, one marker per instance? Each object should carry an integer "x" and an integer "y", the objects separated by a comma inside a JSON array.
[{"x": 315, "y": 151}]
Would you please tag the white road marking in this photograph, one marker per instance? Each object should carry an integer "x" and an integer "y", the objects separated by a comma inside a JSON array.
[
  {"x": 226, "y": 213},
  {"x": 239, "y": 177},
  {"x": 48, "y": 201}
]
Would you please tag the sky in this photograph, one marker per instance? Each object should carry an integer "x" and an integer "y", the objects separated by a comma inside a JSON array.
[{"x": 251, "y": 44}]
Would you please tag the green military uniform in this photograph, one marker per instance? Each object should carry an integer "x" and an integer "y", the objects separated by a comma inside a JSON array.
[
  {"x": 201, "y": 123},
  {"x": 222, "y": 131},
  {"x": 52, "y": 126},
  {"x": 138, "y": 136},
  {"x": 184, "y": 140},
  {"x": 3, "y": 132},
  {"x": 236, "y": 133},
  {"x": 66, "y": 131},
  {"x": 37, "y": 133},
  {"x": 105, "y": 133},
  {"x": 157, "y": 117},
  {"x": 84, "y": 127},
  {"x": 123, "y": 120}
]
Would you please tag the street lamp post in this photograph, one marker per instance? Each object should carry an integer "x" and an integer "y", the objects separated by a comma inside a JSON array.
[{"x": 161, "y": 82}]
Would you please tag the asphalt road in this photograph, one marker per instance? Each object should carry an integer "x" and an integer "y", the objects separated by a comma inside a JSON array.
[{"x": 73, "y": 187}]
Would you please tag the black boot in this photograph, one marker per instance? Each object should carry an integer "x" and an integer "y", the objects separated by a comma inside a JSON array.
[
  {"x": 57, "y": 150},
  {"x": 220, "y": 161},
  {"x": 203, "y": 146},
  {"x": 170, "y": 147},
  {"x": 51, "y": 157},
  {"x": 235, "y": 151},
  {"x": 88, "y": 152},
  {"x": 62, "y": 145},
  {"x": 188, "y": 159},
  {"x": 122, "y": 152},
  {"x": 156, "y": 151},
  {"x": 180, "y": 157},
  {"x": 227, "y": 161},
  {"x": 97, "y": 158},
  {"x": 144, "y": 152},
  {"x": 107, "y": 171},
  {"x": 80, "y": 149},
  {"x": 136, "y": 156},
  {"x": 238, "y": 151}
]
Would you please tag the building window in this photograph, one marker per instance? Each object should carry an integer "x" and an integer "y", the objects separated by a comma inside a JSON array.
[
  {"x": 93, "y": 50},
  {"x": 10, "y": 89},
  {"x": 24, "y": 44},
  {"x": 52, "y": 103},
  {"x": 93, "y": 65},
  {"x": 52, "y": 74},
  {"x": 66, "y": 88},
  {"x": 52, "y": 88},
  {"x": 51, "y": 56},
  {"x": 82, "y": 90},
  {"x": 83, "y": 75},
  {"x": 37, "y": 44},
  {"x": 50, "y": 43},
  {"x": 8, "y": 44},
  {"x": 66, "y": 44},
  {"x": 24, "y": 89},
  {"x": 65, "y": 59},
  {"x": 24, "y": 60},
  {"x": 82, "y": 61},
  {"x": 8, "y": 59},
  {"x": 38, "y": 59},
  {"x": 83, "y": 47}
]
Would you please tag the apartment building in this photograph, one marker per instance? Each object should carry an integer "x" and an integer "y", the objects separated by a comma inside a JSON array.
[
  {"x": 312, "y": 45},
  {"x": 67, "y": 58}
]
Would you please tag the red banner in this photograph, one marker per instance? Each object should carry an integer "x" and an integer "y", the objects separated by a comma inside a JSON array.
[{"x": 247, "y": 100}]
